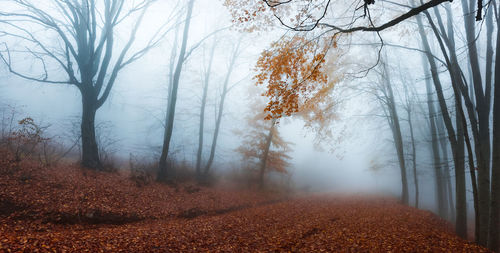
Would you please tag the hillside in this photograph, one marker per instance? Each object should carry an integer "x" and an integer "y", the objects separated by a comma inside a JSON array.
[{"x": 68, "y": 209}]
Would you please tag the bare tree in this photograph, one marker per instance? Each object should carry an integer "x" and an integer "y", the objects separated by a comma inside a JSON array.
[
  {"x": 408, "y": 107},
  {"x": 225, "y": 90},
  {"x": 385, "y": 96},
  {"x": 455, "y": 138},
  {"x": 174, "y": 81},
  {"x": 206, "y": 82},
  {"x": 478, "y": 109},
  {"x": 172, "y": 100},
  {"x": 85, "y": 51},
  {"x": 483, "y": 105}
]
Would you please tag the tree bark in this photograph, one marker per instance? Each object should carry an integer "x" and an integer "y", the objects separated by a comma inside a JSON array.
[
  {"x": 462, "y": 132},
  {"x": 440, "y": 201},
  {"x": 494, "y": 225},
  {"x": 460, "y": 186},
  {"x": 446, "y": 166},
  {"x": 202, "y": 110},
  {"x": 172, "y": 101},
  {"x": 90, "y": 152},
  {"x": 225, "y": 90},
  {"x": 414, "y": 156},
  {"x": 432, "y": 118},
  {"x": 265, "y": 154},
  {"x": 483, "y": 112},
  {"x": 396, "y": 133}
]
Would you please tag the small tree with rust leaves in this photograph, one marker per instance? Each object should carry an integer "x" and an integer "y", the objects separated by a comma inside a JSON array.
[{"x": 263, "y": 147}]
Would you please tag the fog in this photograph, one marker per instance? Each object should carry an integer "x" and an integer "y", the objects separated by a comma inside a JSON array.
[{"x": 358, "y": 158}]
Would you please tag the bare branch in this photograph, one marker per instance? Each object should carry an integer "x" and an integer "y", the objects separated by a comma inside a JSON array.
[
  {"x": 305, "y": 28},
  {"x": 8, "y": 63}
]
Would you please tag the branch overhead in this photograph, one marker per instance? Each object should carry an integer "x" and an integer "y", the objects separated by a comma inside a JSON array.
[{"x": 341, "y": 29}]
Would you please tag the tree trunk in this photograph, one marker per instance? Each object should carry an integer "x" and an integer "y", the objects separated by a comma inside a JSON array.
[
  {"x": 414, "y": 157},
  {"x": 225, "y": 90},
  {"x": 90, "y": 152},
  {"x": 172, "y": 101},
  {"x": 396, "y": 133},
  {"x": 483, "y": 112},
  {"x": 265, "y": 154},
  {"x": 494, "y": 225},
  {"x": 460, "y": 186},
  {"x": 201, "y": 129},
  {"x": 432, "y": 118},
  {"x": 202, "y": 111},
  {"x": 440, "y": 202},
  {"x": 216, "y": 132},
  {"x": 462, "y": 132},
  {"x": 446, "y": 166}
]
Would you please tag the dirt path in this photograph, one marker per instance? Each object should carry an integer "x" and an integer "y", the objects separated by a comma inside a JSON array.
[{"x": 313, "y": 224}]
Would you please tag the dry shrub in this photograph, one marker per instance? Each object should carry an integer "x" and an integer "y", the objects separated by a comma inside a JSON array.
[
  {"x": 24, "y": 142},
  {"x": 27, "y": 138},
  {"x": 248, "y": 178},
  {"x": 181, "y": 172},
  {"x": 107, "y": 143},
  {"x": 243, "y": 178},
  {"x": 142, "y": 171}
]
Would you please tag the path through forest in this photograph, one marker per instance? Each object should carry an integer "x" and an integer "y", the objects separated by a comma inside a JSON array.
[
  {"x": 69, "y": 209},
  {"x": 311, "y": 224}
]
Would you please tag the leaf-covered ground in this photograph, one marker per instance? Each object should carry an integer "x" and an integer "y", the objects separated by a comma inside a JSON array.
[{"x": 67, "y": 209}]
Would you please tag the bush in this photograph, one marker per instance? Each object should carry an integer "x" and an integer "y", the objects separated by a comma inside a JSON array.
[
  {"x": 24, "y": 141},
  {"x": 142, "y": 171}
]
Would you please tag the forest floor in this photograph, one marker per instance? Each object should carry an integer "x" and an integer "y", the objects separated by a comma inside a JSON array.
[{"x": 67, "y": 209}]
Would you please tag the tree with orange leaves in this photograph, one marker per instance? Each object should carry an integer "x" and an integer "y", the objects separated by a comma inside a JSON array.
[
  {"x": 294, "y": 67},
  {"x": 263, "y": 146},
  {"x": 293, "y": 72},
  {"x": 300, "y": 77}
]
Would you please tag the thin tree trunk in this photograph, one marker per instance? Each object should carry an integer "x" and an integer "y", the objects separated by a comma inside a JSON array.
[
  {"x": 440, "y": 203},
  {"x": 446, "y": 166},
  {"x": 432, "y": 118},
  {"x": 225, "y": 90},
  {"x": 475, "y": 191},
  {"x": 460, "y": 186},
  {"x": 396, "y": 132},
  {"x": 265, "y": 154},
  {"x": 414, "y": 157},
  {"x": 162, "y": 173},
  {"x": 456, "y": 77},
  {"x": 171, "y": 69},
  {"x": 202, "y": 111}
]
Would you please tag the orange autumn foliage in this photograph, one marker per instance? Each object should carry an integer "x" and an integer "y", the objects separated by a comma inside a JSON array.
[
  {"x": 293, "y": 73},
  {"x": 254, "y": 139}
]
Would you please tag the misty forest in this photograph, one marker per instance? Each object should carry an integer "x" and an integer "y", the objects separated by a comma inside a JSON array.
[{"x": 249, "y": 126}]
